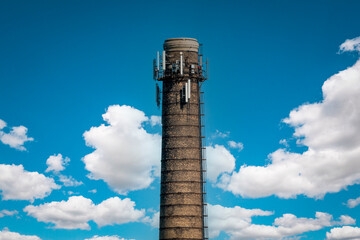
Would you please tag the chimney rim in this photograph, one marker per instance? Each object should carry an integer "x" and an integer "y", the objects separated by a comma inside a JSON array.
[{"x": 181, "y": 44}]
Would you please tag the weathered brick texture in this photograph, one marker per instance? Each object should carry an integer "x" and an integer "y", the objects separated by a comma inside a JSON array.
[{"x": 181, "y": 214}]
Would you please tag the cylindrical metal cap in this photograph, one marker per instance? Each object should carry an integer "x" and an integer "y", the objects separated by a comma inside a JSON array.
[{"x": 181, "y": 45}]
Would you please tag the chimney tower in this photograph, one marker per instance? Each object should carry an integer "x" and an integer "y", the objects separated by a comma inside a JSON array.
[{"x": 181, "y": 70}]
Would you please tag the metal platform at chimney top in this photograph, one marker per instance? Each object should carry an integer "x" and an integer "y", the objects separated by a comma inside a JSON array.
[{"x": 180, "y": 70}]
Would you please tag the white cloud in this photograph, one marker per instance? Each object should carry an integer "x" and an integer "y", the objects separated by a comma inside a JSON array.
[
  {"x": 77, "y": 211},
  {"x": 236, "y": 145},
  {"x": 5, "y": 234},
  {"x": 219, "y": 160},
  {"x": 93, "y": 191},
  {"x": 284, "y": 142},
  {"x": 350, "y": 45},
  {"x": 18, "y": 184},
  {"x": 351, "y": 203},
  {"x": 114, "y": 237},
  {"x": 16, "y": 137},
  {"x": 69, "y": 181},
  {"x": 152, "y": 221},
  {"x": 219, "y": 134},
  {"x": 345, "y": 220},
  {"x": 56, "y": 163},
  {"x": 237, "y": 223},
  {"x": 116, "y": 211},
  {"x": 330, "y": 131},
  {"x": 344, "y": 233},
  {"x": 126, "y": 156},
  {"x": 155, "y": 120},
  {"x": 2, "y": 124},
  {"x": 230, "y": 220},
  {"x": 5, "y": 212}
]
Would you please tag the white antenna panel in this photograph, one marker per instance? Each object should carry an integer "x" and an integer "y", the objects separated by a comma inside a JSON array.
[
  {"x": 189, "y": 88},
  {"x": 181, "y": 63},
  {"x": 164, "y": 60}
]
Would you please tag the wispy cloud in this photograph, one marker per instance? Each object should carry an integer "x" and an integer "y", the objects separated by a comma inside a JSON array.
[
  {"x": 16, "y": 137},
  {"x": 56, "y": 164},
  {"x": 153, "y": 221},
  {"x": 236, "y": 145},
  {"x": 219, "y": 134},
  {"x": 351, "y": 203},
  {"x": 69, "y": 181},
  {"x": 155, "y": 120},
  {"x": 350, "y": 45},
  {"x": 5, "y": 212},
  {"x": 284, "y": 142}
]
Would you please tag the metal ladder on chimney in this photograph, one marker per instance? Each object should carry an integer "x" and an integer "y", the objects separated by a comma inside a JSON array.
[{"x": 203, "y": 166}]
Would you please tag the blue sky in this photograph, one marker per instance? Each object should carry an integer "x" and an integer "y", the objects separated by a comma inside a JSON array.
[{"x": 76, "y": 80}]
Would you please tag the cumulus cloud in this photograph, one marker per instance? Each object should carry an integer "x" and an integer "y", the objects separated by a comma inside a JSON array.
[
  {"x": 16, "y": 137},
  {"x": 77, "y": 211},
  {"x": 329, "y": 129},
  {"x": 236, "y": 145},
  {"x": 351, "y": 203},
  {"x": 126, "y": 156},
  {"x": 350, "y": 45},
  {"x": 19, "y": 184},
  {"x": 56, "y": 163},
  {"x": 114, "y": 237},
  {"x": 5, "y": 234},
  {"x": 230, "y": 220},
  {"x": 237, "y": 223},
  {"x": 344, "y": 233},
  {"x": 219, "y": 160},
  {"x": 116, "y": 211},
  {"x": 5, "y": 212}
]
